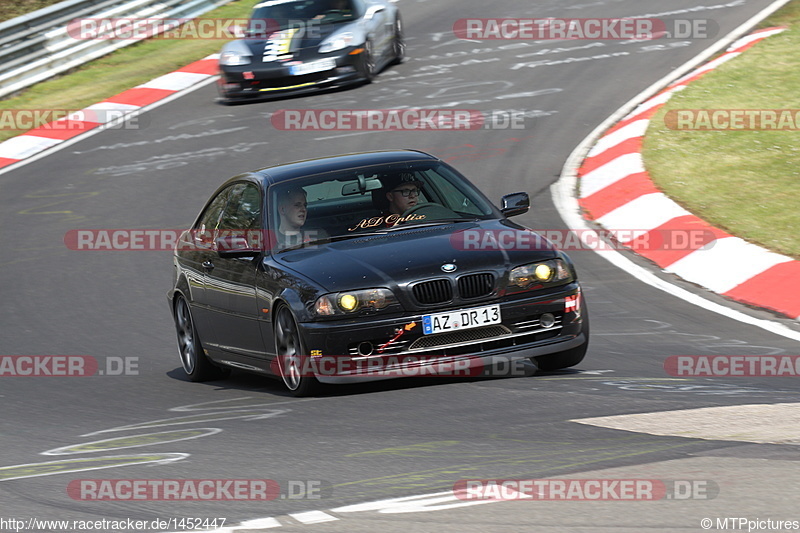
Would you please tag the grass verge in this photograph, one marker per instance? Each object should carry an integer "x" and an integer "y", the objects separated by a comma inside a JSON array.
[
  {"x": 10, "y": 10},
  {"x": 745, "y": 182},
  {"x": 120, "y": 70}
]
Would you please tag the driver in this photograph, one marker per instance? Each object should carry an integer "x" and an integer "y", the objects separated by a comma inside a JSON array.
[{"x": 402, "y": 193}]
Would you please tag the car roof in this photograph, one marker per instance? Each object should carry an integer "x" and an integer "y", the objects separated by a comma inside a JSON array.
[{"x": 310, "y": 167}]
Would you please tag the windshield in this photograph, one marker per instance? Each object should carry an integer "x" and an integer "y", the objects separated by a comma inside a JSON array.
[
  {"x": 275, "y": 15},
  {"x": 381, "y": 199}
]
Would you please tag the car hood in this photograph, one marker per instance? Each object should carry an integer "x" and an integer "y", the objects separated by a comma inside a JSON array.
[
  {"x": 417, "y": 253},
  {"x": 295, "y": 41}
]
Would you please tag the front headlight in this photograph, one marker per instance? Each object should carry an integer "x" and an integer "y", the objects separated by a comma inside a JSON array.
[
  {"x": 345, "y": 303},
  {"x": 337, "y": 42},
  {"x": 551, "y": 272},
  {"x": 231, "y": 58}
]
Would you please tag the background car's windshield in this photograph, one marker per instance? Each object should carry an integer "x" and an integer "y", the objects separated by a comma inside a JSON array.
[
  {"x": 277, "y": 15},
  {"x": 381, "y": 198}
]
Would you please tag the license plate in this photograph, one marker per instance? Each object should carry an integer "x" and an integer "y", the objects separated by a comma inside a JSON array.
[
  {"x": 458, "y": 320},
  {"x": 314, "y": 66}
]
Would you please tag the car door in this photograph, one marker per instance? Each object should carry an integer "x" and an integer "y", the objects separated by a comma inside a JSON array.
[
  {"x": 230, "y": 282},
  {"x": 196, "y": 252}
]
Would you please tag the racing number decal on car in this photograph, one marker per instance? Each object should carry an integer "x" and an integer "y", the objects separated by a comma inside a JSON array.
[{"x": 279, "y": 46}]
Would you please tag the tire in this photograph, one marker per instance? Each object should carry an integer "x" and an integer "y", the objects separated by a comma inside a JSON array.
[
  {"x": 567, "y": 358},
  {"x": 368, "y": 65},
  {"x": 291, "y": 355},
  {"x": 398, "y": 43},
  {"x": 193, "y": 359}
]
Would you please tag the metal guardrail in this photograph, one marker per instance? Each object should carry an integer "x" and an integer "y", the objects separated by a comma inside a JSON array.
[{"x": 38, "y": 46}]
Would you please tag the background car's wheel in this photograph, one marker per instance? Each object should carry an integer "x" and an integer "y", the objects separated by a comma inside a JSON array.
[
  {"x": 368, "y": 64},
  {"x": 398, "y": 43},
  {"x": 570, "y": 357},
  {"x": 290, "y": 352},
  {"x": 194, "y": 361}
]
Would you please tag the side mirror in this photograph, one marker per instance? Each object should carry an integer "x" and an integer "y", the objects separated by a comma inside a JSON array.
[
  {"x": 515, "y": 204},
  {"x": 236, "y": 246}
]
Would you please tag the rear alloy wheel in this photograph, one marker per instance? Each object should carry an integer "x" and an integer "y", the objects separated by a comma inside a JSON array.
[
  {"x": 290, "y": 352},
  {"x": 194, "y": 361}
]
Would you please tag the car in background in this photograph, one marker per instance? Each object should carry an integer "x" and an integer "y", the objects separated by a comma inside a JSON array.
[
  {"x": 302, "y": 271},
  {"x": 299, "y": 46}
]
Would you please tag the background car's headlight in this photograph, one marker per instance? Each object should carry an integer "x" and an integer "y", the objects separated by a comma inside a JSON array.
[
  {"x": 337, "y": 42},
  {"x": 343, "y": 303},
  {"x": 232, "y": 58},
  {"x": 551, "y": 272}
]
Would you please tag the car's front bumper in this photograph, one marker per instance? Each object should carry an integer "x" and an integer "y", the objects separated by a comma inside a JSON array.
[
  {"x": 370, "y": 349},
  {"x": 246, "y": 82}
]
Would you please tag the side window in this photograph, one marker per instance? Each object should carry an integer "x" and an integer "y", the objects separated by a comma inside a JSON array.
[
  {"x": 209, "y": 220},
  {"x": 243, "y": 211},
  {"x": 452, "y": 197}
]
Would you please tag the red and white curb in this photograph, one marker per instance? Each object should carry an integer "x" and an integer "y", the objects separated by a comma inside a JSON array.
[
  {"x": 617, "y": 193},
  {"x": 136, "y": 99}
]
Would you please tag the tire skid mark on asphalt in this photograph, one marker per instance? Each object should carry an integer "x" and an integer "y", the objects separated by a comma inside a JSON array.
[
  {"x": 521, "y": 460},
  {"x": 134, "y": 441},
  {"x": 193, "y": 419},
  {"x": 68, "y": 466},
  {"x": 57, "y": 200},
  {"x": 64, "y": 466}
]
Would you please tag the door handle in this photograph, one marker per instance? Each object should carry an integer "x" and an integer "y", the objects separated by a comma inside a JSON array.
[{"x": 208, "y": 265}]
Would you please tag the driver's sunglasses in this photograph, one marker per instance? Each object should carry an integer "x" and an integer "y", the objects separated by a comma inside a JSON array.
[{"x": 408, "y": 192}]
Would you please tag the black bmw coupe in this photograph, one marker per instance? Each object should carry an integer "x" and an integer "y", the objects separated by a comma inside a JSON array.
[{"x": 369, "y": 266}]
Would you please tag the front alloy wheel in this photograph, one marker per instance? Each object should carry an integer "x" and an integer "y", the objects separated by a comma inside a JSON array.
[
  {"x": 368, "y": 62},
  {"x": 398, "y": 43},
  {"x": 290, "y": 352}
]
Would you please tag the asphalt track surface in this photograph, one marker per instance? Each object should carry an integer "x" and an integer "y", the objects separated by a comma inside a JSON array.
[{"x": 389, "y": 439}]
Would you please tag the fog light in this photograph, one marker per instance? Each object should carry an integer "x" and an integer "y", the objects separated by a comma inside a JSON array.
[
  {"x": 547, "y": 320},
  {"x": 365, "y": 348}
]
